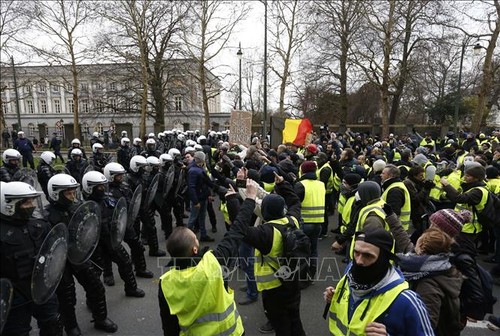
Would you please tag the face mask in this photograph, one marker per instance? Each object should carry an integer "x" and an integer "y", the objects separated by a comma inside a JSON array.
[
  {"x": 357, "y": 197},
  {"x": 24, "y": 213},
  {"x": 368, "y": 275},
  {"x": 64, "y": 201},
  {"x": 98, "y": 194}
]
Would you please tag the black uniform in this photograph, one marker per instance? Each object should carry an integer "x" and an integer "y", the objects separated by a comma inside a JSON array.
[
  {"x": 148, "y": 219},
  {"x": 20, "y": 241},
  {"x": 86, "y": 275},
  {"x": 147, "y": 153},
  {"x": 44, "y": 173},
  {"x": 7, "y": 172},
  {"x": 118, "y": 255},
  {"x": 77, "y": 168},
  {"x": 80, "y": 148},
  {"x": 168, "y": 201},
  {"x": 124, "y": 154},
  {"x": 118, "y": 191}
]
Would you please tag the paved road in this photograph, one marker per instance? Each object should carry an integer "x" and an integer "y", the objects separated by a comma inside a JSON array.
[{"x": 141, "y": 316}]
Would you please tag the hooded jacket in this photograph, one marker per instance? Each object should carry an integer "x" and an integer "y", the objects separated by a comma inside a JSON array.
[{"x": 438, "y": 283}]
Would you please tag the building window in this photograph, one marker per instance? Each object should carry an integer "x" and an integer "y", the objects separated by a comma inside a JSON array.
[
  {"x": 71, "y": 106},
  {"x": 69, "y": 87},
  {"x": 31, "y": 129},
  {"x": 57, "y": 105},
  {"x": 29, "y": 107},
  {"x": 85, "y": 127},
  {"x": 5, "y": 108},
  {"x": 85, "y": 106},
  {"x": 98, "y": 128},
  {"x": 55, "y": 88},
  {"x": 84, "y": 86},
  {"x": 98, "y": 86},
  {"x": 99, "y": 107},
  {"x": 112, "y": 86},
  {"x": 42, "y": 87},
  {"x": 112, "y": 104},
  {"x": 27, "y": 88},
  {"x": 178, "y": 103},
  {"x": 43, "y": 106}
]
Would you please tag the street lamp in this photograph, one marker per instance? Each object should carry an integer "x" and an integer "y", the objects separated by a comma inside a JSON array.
[
  {"x": 477, "y": 50},
  {"x": 240, "y": 55}
]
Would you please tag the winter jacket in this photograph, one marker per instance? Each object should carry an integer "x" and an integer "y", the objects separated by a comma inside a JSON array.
[
  {"x": 197, "y": 187},
  {"x": 438, "y": 283},
  {"x": 395, "y": 196},
  {"x": 44, "y": 173},
  {"x": 7, "y": 172}
]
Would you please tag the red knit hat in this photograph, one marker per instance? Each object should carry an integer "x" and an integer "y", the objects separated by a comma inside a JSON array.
[
  {"x": 312, "y": 148},
  {"x": 308, "y": 167},
  {"x": 450, "y": 221}
]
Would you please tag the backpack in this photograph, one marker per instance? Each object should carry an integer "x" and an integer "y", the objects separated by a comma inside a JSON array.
[
  {"x": 490, "y": 216},
  {"x": 294, "y": 262}
]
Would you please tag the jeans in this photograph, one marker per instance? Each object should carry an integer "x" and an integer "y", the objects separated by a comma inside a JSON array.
[
  {"x": 313, "y": 231},
  {"x": 247, "y": 259},
  {"x": 197, "y": 216}
]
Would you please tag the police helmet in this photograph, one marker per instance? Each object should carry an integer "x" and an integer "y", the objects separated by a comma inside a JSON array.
[
  {"x": 92, "y": 179},
  {"x": 96, "y": 147},
  {"x": 112, "y": 169},
  {"x": 12, "y": 193},
  {"x": 136, "y": 162},
  {"x": 58, "y": 183},
  {"x": 11, "y": 154},
  {"x": 48, "y": 157}
]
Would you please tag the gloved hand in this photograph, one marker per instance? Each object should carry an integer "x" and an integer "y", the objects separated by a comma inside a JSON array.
[
  {"x": 388, "y": 209},
  {"x": 429, "y": 184}
]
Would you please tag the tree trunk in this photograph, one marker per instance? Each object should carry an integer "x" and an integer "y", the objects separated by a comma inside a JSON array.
[
  {"x": 384, "y": 88},
  {"x": 204, "y": 95},
  {"x": 76, "y": 110}
]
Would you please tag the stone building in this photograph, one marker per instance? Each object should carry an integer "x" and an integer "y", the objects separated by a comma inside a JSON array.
[{"x": 109, "y": 98}]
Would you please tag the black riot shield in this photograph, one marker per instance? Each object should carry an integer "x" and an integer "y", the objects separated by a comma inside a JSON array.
[
  {"x": 134, "y": 206},
  {"x": 6, "y": 293},
  {"x": 169, "y": 181},
  {"x": 49, "y": 264},
  {"x": 119, "y": 222},
  {"x": 83, "y": 232},
  {"x": 151, "y": 192}
]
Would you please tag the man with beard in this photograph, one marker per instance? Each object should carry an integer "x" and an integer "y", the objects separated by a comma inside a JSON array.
[
  {"x": 396, "y": 194},
  {"x": 373, "y": 298}
]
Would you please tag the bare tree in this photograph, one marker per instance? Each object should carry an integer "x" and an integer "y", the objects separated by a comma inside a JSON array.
[
  {"x": 481, "y": 112},
  {"x": 205, "y": 35},
  {"x": 288, "y": 32},
  {"x": 62, "y": 22}
]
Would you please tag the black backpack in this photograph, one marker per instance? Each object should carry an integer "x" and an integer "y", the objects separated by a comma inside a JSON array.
[
  {"x": 490, "y": 216},
  {"x": 294, "y": 262}
]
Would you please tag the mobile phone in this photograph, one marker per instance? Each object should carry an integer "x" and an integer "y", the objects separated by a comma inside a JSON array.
[{"x": 241, "y": 183}]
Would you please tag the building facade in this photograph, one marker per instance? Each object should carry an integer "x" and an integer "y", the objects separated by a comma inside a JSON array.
[{"x": 109, "y": 100}]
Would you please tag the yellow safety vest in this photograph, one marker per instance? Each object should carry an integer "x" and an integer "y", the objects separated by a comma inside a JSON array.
[
  {"x": 341, "y": 203},
  {"x": 474, "y": 226},
  {"x": 269, "y": 187},
  {"x": 225, "y": 213},
  {"x": 406, "y": 209},
  {"x": 346, "y": 213},
  {"x": 329, "y": 184},
  {"x": 494, "y": 185},
  {"x": 196, "y": 295},
  {"x": 378, "y": 208},
  {"x": 366, "y": 312},
  {"x": 425, "y": 143},
  {"x": 397, "y": 155},
  {"x": 265, "y": 266},
  {"x": 427, "y": 164},
  {"x": 460, "y": 159},
  {"x": 313, "y": 205}
]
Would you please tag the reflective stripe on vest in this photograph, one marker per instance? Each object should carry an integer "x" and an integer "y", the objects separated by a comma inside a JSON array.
[
  {"x": 377, "y": 208},
  {"x": 474, "y": 226},
  {"x": 367, "y": 311},
  {"x": 329, "y": 184},
  {"x": 341, "y": 203},
  {"x": 265, "y": 266},
  {"x": 197, "y": 296},
  {"x": 406, "y": 209},
  {"x": 346, "y": 214},
  {"x": 313, "y": 205}
]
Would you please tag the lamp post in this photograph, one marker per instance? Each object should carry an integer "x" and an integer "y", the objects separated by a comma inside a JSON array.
[
  {"x": 240, "y": 55},
  {"x": 477, "y": 50}
]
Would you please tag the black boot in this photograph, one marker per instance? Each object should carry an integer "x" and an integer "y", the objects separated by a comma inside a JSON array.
[
  {"x": 106, "y": 325},
  {"x": 109, "y": 280},
  {"x": 137, "y": 256},
  {"x": 74, "y": 331},
  {"x": 137, "y": 292},
  {"x": 154, "y": 251}
]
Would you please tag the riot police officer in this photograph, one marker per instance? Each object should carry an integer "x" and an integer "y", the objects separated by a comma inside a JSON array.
[
  {"x": 77, "y": 164},
  {"x": 10, "y": 165},
  {"x": 148, "y": 215},
  {"x": 94, "y": 186},
  {"x": 115, "y": 173},
  {"x": 99, "y": 160},
  {"x": 21, "y": 236},
  {"x": 75, "y": 143},
  {"x": 136, "y": 147},
  {"x": 45, "y": 170},
  {"x": 124, "y": 153},
  {"x": 63, "y": 203},
  {"x": 150, "y": 149}
]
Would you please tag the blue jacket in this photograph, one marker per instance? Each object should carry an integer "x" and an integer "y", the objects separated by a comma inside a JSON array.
[
  {"x": 197, "y": 188},
  {"x": 407, "y": 315}
]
